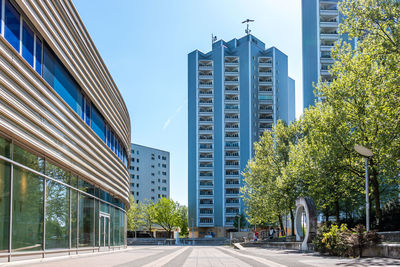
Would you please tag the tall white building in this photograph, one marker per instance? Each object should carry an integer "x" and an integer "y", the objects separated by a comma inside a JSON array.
[{"x": 150, "y": 174}]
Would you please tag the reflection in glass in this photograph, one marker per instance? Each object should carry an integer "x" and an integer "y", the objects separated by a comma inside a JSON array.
[
  {"x": 11, "y": 25},
  {"x": 57, "y": 215},
  {"x": 27, "y": 218},
  {"x": 116, "y": 227},
  {"x": 28, "y": 159},
  {"x": 4, "y": 203},
  {"x": 86, "y": 225},
  {"x": 4, "y": 148},
  {"x": 57, "y": 173},
  {"x": 74, "y": 218}
]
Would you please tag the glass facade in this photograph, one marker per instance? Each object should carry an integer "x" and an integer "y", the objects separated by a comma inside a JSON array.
[
  {"x": 52, "y": 209},
  {"x": 39, "y": 55}
]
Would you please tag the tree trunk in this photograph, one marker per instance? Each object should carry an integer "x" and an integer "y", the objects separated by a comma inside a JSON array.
[
  {"x": 292, "y": 221},
  {"x": 376, "y": 193},
  {"x": 337, "y": 211},
  {"x": 281, "y": 223},
  {"x": 326, "y": 216}
]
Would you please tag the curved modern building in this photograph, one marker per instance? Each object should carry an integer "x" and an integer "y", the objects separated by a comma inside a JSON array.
[{"x": 64, "y": 136}]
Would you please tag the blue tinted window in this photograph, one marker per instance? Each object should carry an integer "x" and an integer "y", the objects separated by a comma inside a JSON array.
[
  {"x": 38, "y": 56},
  {"x": 112, "y": 141},
  {"x": 116, "y": 146},
  {"x": 98, "y": 125},
  {"x": 27, "y": 43},
  {"x": 11, "y": 25},
  {"x": 87, "y": 112},
  {"x": 62, "y": 82}
]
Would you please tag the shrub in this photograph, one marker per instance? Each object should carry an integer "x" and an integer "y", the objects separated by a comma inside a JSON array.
[{"x": 340, "y": 241}]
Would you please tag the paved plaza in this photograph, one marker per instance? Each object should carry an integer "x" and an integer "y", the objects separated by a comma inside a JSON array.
[{"x": 190, "y": 256}]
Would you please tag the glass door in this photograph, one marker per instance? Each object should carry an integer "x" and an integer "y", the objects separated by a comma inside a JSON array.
[{"x": 104, "y": 230}]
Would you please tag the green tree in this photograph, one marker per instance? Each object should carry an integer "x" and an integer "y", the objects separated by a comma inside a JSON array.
[
  {"x": 183, "y": 220},
  {"x": 365, "y": 90},
  {"x": 267, "y": 192},
  {"x": 240, "y": 222},
  {"x": 135, "y": 215},
  {"x": 149, "y": 215},
  {"x": 167, "y": 215}
]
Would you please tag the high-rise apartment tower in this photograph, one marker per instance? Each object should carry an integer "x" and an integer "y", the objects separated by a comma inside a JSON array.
[
  {"x": 236, "y": 92},
  {"x": 320, "y": 23}
]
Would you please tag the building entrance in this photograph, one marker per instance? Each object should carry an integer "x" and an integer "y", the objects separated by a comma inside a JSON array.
[{"x": 104, "y": 230}]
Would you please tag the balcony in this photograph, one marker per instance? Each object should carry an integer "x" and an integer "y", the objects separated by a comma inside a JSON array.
[
  {"x": 332, "y": 36},
  {"x": 231, "y": 126},
  {"x": 232, "y": 155},
  {"x": 206, "y": 223},
  {"x": 263, "y": 88},
  {"x": 229, "y": 99},
  {"x": 330, "y": 24},
  {"x": 329, "y": 12},
  {"x": 208, "y": 93},
  {"x": 232, "y": 192},
  {"x": 205, "y": 119},
  {"x": 265, "y": 73},
  {"x": 232, "y": 118},
  {"x": 203, "y": 102},
  {"x": 206, "y": 156},
  {"x": 205, "y": 77},
  {"x": 232, "y": 89}
]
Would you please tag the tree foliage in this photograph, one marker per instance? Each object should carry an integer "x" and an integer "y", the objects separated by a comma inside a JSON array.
[{"x": 315, "y": 156}]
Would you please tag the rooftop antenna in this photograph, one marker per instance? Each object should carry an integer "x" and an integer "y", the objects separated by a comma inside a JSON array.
[
  {"x": 213, "y": 39},
  {"x": 247, "y": 21}
]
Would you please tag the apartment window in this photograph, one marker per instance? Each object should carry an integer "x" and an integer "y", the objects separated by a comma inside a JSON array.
[
  {"x": 152, "y": 174},
  {"x": 137, "y": 168},
  {"x": 158, "y": 188},
  {"x": 27, "y": 43},
  {"x": 159, "y": 172},
  {"x": 137, "y": 185},
  {"x": 164, "y": 195},
  {"x": 152, "y": 166},
  {"x": 159, "y": 196},
  {"x": 158, "y": 156},
  {"x": 137, "y": 160},
  {"x": 164, "y": 165},
  {"x": 152, "y": 198},
  {"x": 133, "y": 159},
  {"x": 137, "y": 176},
  {"x": 137, "y": 193},
  {"x": 164, "y": 181},
  {"x": 137, "y": 201},
  {"x": 164, "y": 189},
  {"x": 164, "y": 173},
  {"x": 133, "y": 176},
  {"x": 158, "y": 180},
  {"x": 11, "y": 25},
  {"x": 159, "y": 164},
  {"x": 137, "y": 152},
  {"x": 152, "y": 182},
  {"x": 152, "y": 190},
  {"x": 164, "y": 158}
]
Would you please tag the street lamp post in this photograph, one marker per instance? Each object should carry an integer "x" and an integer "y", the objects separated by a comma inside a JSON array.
[{"x": 366, "y": 153}]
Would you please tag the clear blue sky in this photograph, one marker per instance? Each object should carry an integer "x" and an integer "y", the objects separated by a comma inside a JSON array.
[{"x": 145, "y": 45}]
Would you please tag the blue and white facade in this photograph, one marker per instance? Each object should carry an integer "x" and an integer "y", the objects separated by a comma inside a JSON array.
[
  {"x": 235, "y": 92},
  {"x": 320, "y": 23}
]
